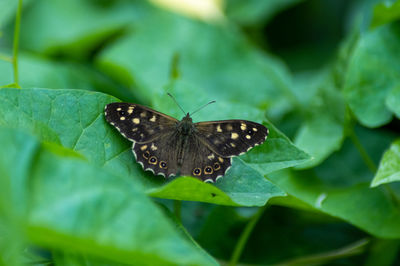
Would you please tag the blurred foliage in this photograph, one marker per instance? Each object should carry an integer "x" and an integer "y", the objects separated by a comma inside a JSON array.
[{"x": 322, "y": 75}]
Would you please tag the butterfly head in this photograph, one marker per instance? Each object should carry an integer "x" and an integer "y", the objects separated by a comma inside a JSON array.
[{"x": 185, "y": 126}]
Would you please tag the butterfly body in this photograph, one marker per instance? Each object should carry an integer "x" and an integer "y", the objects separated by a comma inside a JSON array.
[{"x": 169, "y": 147}]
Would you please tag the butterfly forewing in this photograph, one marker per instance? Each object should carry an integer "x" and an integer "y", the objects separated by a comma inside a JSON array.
[
  {"x": 231, "y": 137},
  {"x": 138, "y": 123}
]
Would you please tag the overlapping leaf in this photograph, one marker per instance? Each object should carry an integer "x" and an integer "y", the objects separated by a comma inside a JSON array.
[
  {"x": 75, "y": 119},
  {"x": 389, "y": 168},
  {"x": 63, "y": 201},
  {"x": 221, "y": 62},
  {"x": 373, "y": 73}
]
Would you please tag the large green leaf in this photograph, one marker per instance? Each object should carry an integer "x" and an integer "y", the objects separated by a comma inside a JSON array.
[
  {"x": 40, "y": 72},
  {"x": 389, "y": 167},
  {"x": 74, "y": 28},
  {"x": 62, "y": 201},
  {"x": 344, "y": 192},
  {"x": 215, "y": 60},
  {"x": 373, "y": 72},
  {"x": 75, "y": 119},
  {"x": 372, "y": 210},
  {"x": 8, "y": 8}
]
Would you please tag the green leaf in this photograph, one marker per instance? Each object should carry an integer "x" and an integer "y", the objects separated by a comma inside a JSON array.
[
  {"x": 62, "y": 201},
  {"x": 389, "y": 167},
  {"x": 213, "y": 64},
  {"x": 40, "y": 72},
  {"x": 322, "y": 132},
  {"x": 281, "y": 234},
  {"x": 372, "y": 210},
  {"x": 75, "y": 119},
  {"x": 8, "y": 9},
  {"x": 85, "y": 25},
  {"x": 373, "y": 72},
  {"x": 393, "y": 101},
  {"x": 386, "y": 12},
  {"x": 383, "y": 252},
  {"x": 340, "y": 187},
  {"x": 255, "y": 12}
]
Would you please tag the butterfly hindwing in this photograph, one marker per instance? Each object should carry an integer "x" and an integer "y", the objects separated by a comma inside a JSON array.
[
  {"x": 201, "y": 162},
  {"x": 231, "y": 137},
  {"x": 138, "y": 123},
  {"x": 157, "y": 156}
]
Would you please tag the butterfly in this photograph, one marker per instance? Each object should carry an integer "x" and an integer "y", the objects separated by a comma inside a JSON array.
[{"x": 169, "y": 147}]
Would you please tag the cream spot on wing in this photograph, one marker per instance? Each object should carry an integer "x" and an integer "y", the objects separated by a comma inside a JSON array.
[
  {"x": 248, "y": 137},
  {"x": 220, "y": 160},
  {"x": 243, "y": 126},
  {"x": 153, "y": 147},
  {"x": 254, "y": 129},
  {"x": 143, "y": 114},
  {"x": 211, "y": 156},
  {"x": 234, "y": 135},
  {"x": 219, "y": 128},
  {"x": 119, "y": 109},
  {"x": 136, "y": 120},
  {"x": 141, "y": 135},
  {"x": 143, "y": 147},
  {"x": 233, "y": 145},
  {"x": 229, "y": 127},
  {"x": 122, "y": 118},
  {"x": 130, "y": 109},
  {"x": 134, "y": 129},
  {"x": 153, "y": 118}
]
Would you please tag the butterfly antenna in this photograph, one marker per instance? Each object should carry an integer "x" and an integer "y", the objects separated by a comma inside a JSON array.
[
  {"x": 170, "y": 95},
  {"x": 202, "y": 107}
]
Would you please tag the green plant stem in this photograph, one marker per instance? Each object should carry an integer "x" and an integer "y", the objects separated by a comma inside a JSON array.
[
  {"x": 177, "y": 209},
  {"x": 364, "y": 155},
  {"x": 237, "y": 252},
  {"x": 16, "y": 41}
]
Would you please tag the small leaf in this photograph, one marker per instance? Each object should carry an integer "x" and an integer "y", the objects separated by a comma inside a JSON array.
[
  {"x": 277, "y": 153},
  {"x": 373, "y": 72},
  {"x": 385, "y": 12},
  {"x": 389, "y": 167},
  {"x": 322, "y": 132}
]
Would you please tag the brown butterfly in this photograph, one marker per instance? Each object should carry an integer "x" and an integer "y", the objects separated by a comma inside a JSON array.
[{"x": 169, "y": 147}]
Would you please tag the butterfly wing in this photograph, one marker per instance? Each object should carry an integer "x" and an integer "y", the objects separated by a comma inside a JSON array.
[
  {"x": 199, "y": 161},
  {"x": 159, "y": 155},
  {"x": 138, "y": 123},
  {"x": 229, "y": 138}
]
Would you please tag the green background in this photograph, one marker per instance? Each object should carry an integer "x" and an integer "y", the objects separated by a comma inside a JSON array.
[{"x": 322, "y": 75}]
